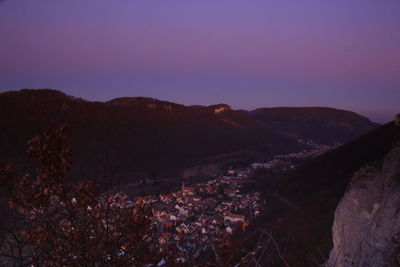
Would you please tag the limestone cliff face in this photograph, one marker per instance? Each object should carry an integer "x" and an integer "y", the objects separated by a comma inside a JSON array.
[{"x": 366, "y": 230}]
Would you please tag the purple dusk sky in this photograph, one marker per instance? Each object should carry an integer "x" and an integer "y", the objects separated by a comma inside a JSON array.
[{"x": 247, "y": 53}]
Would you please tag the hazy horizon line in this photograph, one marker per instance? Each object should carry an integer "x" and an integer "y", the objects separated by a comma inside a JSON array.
[{"x": 383, "y": 117}]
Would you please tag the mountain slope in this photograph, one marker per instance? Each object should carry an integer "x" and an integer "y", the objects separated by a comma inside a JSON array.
[
  {"x": 325, "y": 125},
  {"x": 130, "y": 135},
  {"x": 366, "y": 229},
  {"x": 315, "y": 190}
]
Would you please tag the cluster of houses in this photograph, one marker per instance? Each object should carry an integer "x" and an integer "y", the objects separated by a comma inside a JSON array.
[
  {"x": 196, "y": 216},
  {"x": 288, "y": 161},
  {"x": 200, "y": 214},
  {"x": 315, "y": 150}
]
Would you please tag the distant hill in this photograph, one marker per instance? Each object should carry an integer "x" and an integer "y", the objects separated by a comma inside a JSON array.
[
  {"x": 324, "y": 125},
  {"x": 315, "y": 190},
  {"x": 131, "y": 135}
]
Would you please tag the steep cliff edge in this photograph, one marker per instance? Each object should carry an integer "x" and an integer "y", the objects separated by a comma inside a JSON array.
[{"x": 366, "y": 229}]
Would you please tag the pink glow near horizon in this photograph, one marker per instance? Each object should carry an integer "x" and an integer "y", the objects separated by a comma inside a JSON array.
[{"x": 338, "y": 53}]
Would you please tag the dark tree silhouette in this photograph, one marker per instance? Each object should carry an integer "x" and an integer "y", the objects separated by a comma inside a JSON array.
[{"x": 56, "y": 223}]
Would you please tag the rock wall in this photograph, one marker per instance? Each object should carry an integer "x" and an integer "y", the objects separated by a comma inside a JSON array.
[{"x": 366, "y": 230}]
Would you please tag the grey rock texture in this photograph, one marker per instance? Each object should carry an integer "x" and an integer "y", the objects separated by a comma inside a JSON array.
[{"x": 366, "y": 229}]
